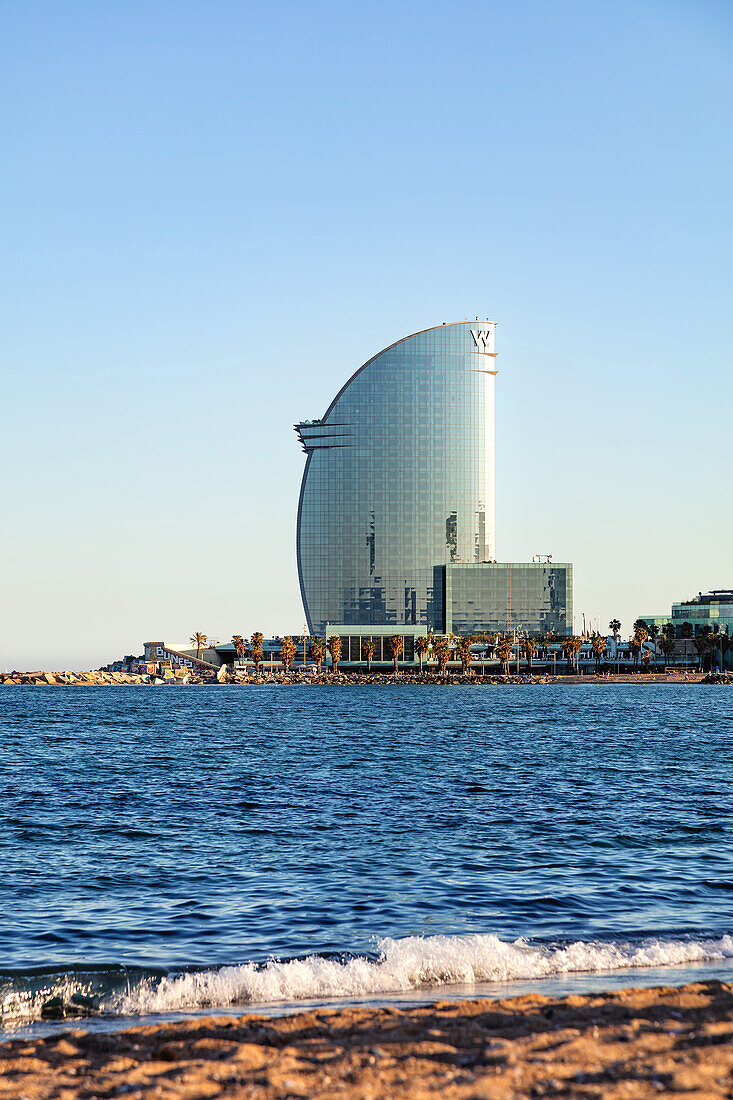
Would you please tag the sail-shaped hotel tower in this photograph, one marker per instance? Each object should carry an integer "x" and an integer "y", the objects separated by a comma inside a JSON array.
[{"x": 399, "y": 481}]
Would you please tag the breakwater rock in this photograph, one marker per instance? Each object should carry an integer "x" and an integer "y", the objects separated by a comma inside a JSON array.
[
  {"x": 227, "y": 676},
  {"x": 718, "y": 678},
  {"x": 43, "y": 678}
]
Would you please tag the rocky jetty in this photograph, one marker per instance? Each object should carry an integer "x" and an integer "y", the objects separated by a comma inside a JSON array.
[
  {"x": 227, "y": 676},
  {"x": 44, "y": 678}
]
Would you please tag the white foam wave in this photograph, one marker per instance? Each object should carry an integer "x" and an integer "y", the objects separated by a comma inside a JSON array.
[{"x": 404, "y": 965}]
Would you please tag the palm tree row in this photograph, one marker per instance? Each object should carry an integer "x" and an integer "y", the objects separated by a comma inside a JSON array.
[
  {"x": 440, "y": 648},
  {"x": 443, "y": 648}
]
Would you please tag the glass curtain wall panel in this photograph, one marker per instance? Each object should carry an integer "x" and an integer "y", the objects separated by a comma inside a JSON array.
[{"x": 530, "y": 599}]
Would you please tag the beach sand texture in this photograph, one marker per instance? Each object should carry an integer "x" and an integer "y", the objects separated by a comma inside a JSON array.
[{"x": 629, "y": 1043}]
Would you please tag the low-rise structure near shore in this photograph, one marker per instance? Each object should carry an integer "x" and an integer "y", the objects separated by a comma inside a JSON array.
[{"x": 709, "y": 614}]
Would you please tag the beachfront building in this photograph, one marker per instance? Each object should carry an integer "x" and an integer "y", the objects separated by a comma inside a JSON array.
[
  {"x": 397, "y": 498},
  {"x": 548, "y": 657},
  {"x": 354, "y": 637},
  {"x": 532, "y": 599},
  {"x": 399, "y": 478},
  {"x": 711, "y": 611},
  {"x": 213, "y": 656},
  {"x": 526, "y": 599},
  {"x": 708, "y": 611}
]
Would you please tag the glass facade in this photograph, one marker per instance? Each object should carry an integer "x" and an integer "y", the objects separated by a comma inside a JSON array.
[
  {"x": 399, "y": 479},
  {"x": 710, "y": 611},
  {"x": 353, "y": 639},
  {"x": 501, "y": 598}
]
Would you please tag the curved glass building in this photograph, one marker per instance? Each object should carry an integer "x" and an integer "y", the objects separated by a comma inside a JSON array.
[{"x": 399, "y": 480}]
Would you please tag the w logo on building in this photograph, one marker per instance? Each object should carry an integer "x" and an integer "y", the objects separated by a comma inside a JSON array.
[{"x": 482, "y": 340}]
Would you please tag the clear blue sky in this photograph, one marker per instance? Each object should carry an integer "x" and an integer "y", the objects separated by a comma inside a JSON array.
[{"x": 212, "y": 213}]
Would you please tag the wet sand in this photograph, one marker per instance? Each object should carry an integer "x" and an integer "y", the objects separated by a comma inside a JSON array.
[{"x": 630, "y": 1043}]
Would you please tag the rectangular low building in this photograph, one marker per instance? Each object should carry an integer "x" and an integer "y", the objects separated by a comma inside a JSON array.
[
  {"x": 708, "y": 611},
  {"x": 353, "y": 638},
  {"x": 533, "y": 598},
  {"x": 527, "y": 598}
]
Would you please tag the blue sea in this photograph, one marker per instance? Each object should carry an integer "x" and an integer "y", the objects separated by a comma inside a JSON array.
[{"x": 184, "y": 849}]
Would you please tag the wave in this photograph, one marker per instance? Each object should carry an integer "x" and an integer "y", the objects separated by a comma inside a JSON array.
[{"x": 397, "y": 967}]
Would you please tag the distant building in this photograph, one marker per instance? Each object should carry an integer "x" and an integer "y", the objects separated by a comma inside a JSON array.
[
  {"x": 396, "y": 509},
  {"x": 531, "y": 598},
  {"x": 399, "y": 478},
  {"x": 172, "y": 655},
  {"x": 183, "y": 655},
  {"x": 353, "y": 638},
  {"x": 708, "y": 611},
  {"x": 549, "y": 656}
]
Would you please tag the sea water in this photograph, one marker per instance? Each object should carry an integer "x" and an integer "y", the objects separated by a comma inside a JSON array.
[{"x": 186, "y": 848}]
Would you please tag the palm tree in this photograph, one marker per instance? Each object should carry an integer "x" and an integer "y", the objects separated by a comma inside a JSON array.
[
  {"x": 654, "y": 634},
  {"x": 256, "y": 644},
  {"x": 635, "y": 647},
  {"x": 687, "y": 630},
  {"x": 463, "y": 649},
  {"x": 333, "y": 645},
  {"x": 421, "y": 648},
  {"x": 442, "y": 652},
  {"x": 667, "y": 646},
  {"x": 317, "y": 651},
  {"x": 571, "y": 647},
  {"x": 288, "y": 652},
  {"x": 615, "y": 626},
  {"x": 598, "y": 645},
  {"x": 367, "y": 652},
  {"x": 240, "y": 646},
  {"x": 703, "y": 644},
  {"x": 395, "y": 649},
  {"x": 503, "y": 649},
  {"x": 199, "y": 641},
  {"x": 529, "y": 648},
  {"x": 641, "y": 633}
]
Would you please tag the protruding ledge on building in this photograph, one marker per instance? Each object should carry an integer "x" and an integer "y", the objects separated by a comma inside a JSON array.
[{"x": 314, "y": 434}]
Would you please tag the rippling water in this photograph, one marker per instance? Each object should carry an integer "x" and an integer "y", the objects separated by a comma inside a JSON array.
[{"x": 183, "y": 847}]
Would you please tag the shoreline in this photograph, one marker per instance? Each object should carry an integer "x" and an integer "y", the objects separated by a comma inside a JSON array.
[
  {"x": 634, "y": 1042},
  {"x": 404, "y": 679}
]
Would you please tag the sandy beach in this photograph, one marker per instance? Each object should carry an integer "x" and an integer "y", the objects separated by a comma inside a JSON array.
[{"x": 629, "y": 1043}]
